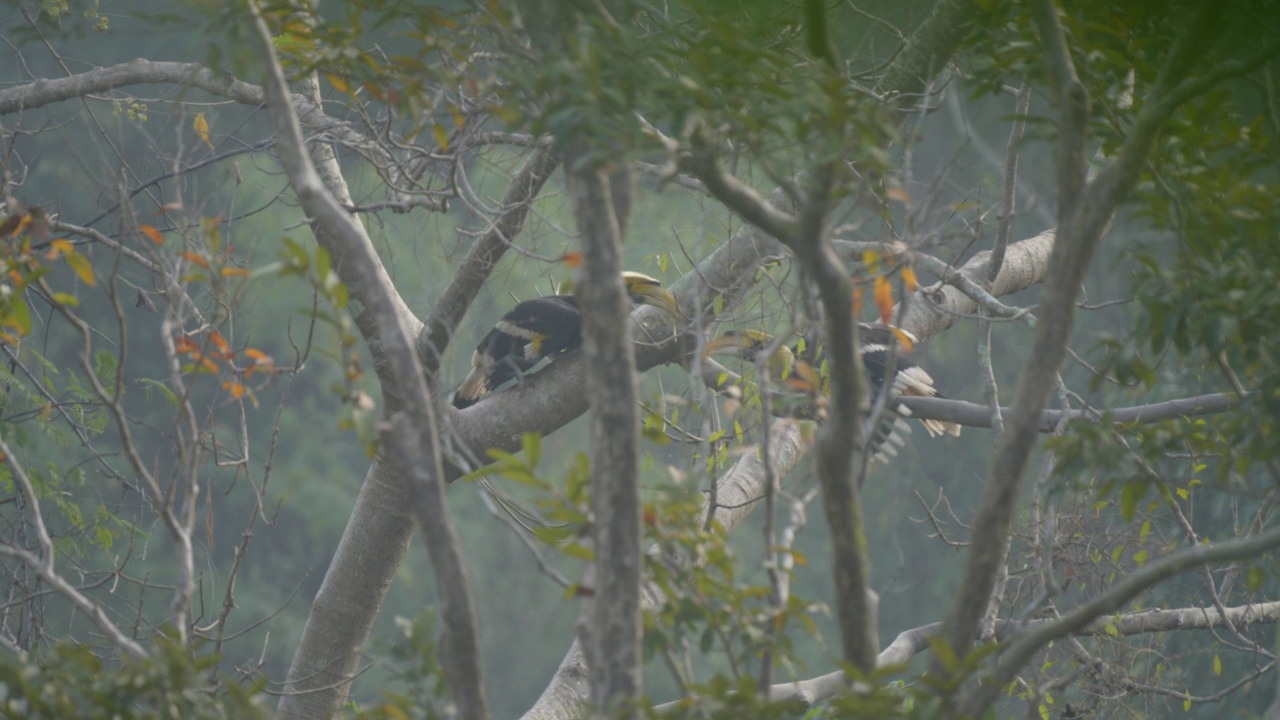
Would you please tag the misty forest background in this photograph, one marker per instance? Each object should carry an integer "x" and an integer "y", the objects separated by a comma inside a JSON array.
[{"x": 76, "y": 157}]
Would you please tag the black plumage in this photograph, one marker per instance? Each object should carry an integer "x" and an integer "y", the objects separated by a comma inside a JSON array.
[{"x": 542, "y": 328}]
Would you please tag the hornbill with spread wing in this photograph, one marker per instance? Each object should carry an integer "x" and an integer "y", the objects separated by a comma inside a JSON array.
[
  {"x": 877, "y": 350},
  {"x": 545, "y": 327}
]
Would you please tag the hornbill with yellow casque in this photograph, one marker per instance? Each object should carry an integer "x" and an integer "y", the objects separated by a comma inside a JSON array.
[
  {"x": 545, "y": 327},
  {"x": 805, "y": 361}
]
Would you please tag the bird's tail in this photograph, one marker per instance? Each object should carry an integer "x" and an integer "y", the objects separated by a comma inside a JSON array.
[
  {"x": 476, "y": 385},
  {"x": 914, "y": 381}
]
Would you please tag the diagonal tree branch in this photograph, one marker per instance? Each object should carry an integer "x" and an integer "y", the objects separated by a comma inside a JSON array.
[
  {"x": 413, "y": 434},
  {"x": 1126, "y": 588},
  {"x": 1081, "y": 227}
]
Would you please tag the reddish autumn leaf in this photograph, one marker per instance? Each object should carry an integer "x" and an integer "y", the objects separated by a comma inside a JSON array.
[
  {"x": 909, "y": 279},
  {"x": 903, "y": 338},
  {"x": 195, "y": 259},
  {"x": 152, "y": 234},
  {"x": 857, "y": 301},
  {"x": 571, "y": 259},
  {"x": 884, "y": 298},
  {"x": 236, "y": 389},
  {"x": 219, "y": 342},
  {"x": 185, "y": 345},
  {"x": 803, "y": 378},
  {"x": 209, "y": 365}
]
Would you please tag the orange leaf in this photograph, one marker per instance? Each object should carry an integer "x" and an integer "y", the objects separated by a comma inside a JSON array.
[
  {"x": 184, "y": 344},
  {"x": 209, "y": 365},
  {"x": 338, "y": 83},
  {"x": 903, "y": 338},
  {"x": 804, "y": 378},
  {"x": 58, "y": 248},
  {"x": 234, "y": 272},
  {"x": 152, "y": 234},
  {"x": 857, "y": 301},
  {"x": 219, "y": 342},
  {"x": 909, "y": 278},
  {"x": 14, "y": 224},
  {"x": 572, "y": 259},
  {"x": 257, "y": 355},
  {"x": 884, "y": 298},
  {"x": 899, "y": 195},
  {"x": 195, "y": 259},
  {"x": 236, "y": 389}
]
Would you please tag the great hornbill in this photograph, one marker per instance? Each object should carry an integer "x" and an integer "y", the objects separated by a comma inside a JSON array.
[
  {"x": 876, "y": 348},
  {"x": 541, "y": 328}
]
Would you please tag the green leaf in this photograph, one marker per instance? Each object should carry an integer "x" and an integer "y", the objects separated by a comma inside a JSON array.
[
  {"x": 169, "y": 395},
  {"x": 1130, "y": 496},
  {"x": 1217, "y": 664},
  {"x": 19, "y": 315},
  {"x": 532, "y": 443}
]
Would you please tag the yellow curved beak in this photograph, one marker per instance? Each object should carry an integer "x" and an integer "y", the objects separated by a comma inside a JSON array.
[
  {"x": 724, "y": 343},
  {"x": 658, "y": 297}
]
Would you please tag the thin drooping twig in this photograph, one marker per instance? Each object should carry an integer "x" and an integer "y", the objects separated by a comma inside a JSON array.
[{"x": 43, "y": 564}]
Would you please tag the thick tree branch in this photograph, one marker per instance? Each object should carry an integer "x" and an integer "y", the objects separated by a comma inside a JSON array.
[
  {"x": 413, "y": 436},
  {"x": 972, "y": 415},
  {"x": 614, "y": 624},
  {"x": 911, "y": 642},
  {"x": 145, "y": 72},
  {"x": 970, "y": 283}
]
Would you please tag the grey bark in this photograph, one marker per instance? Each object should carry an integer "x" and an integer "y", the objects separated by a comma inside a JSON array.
[{"x": 612, "y": 624}]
